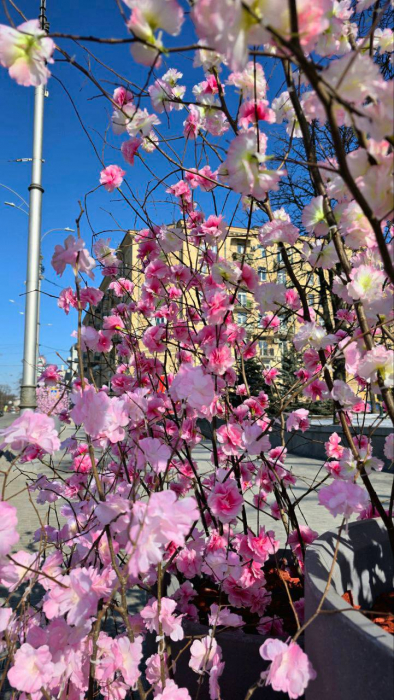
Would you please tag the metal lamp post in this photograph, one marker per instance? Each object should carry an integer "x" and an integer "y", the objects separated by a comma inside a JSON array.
[{"x": 29, "y": 375}]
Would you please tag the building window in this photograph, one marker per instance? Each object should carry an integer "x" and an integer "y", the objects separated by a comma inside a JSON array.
[
  {"x": 266, "y": 349},
  {"x": 283, "y": 347},
  {"x": 262, "y": 272},
  {"x": 261, "y": 251},
  {"x": 311, "y": 299},
  {"x": 242, "y": 297},
  {"x": 241, "y": 248},
  {"x": 279, "y": 257},
  {"x": 160, "y": 321},
  {"x": 263, "y": 347},
  {"x": 241, "y": 319},
  {"x": 281, "y": 277}
]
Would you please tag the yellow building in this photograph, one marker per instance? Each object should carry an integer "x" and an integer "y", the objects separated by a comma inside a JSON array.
[{"x": 272, "y": 345}]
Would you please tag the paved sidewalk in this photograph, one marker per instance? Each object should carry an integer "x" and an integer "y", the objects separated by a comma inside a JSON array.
[{"x": 308, "y": 471}]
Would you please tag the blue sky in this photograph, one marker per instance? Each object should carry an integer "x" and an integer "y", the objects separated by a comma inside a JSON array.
[{"x": 71, "y": 169}]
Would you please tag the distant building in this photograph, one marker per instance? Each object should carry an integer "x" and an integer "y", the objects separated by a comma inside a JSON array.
[{"x": 272, "y": 345}]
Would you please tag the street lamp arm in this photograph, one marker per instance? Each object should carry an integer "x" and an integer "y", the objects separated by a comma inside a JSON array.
[
  {"x": 69, "y": 230},
  {"x": 13, "y": 192}
]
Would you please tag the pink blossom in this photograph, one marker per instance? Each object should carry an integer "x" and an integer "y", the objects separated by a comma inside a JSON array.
[
  {"x": 90, "y": 409},
  {"x": 153, "y": 614},
  {"x": 307, "y": 536},
  {"x": 102, "y": 415},
  {"x": 128, "y": 657},
  {"x": 366, "y": 283},
  {"x": 148, "y": 16},
  {"x": 5, "y": 616},
  {"x": 313, "y": 217},
  {"x": 202, "y": 653},
  {"x": 163, "y": 520},
  {"x": 389, "y": 447},
  {"x": 122, "y": 286},
  {"x": 31, "y": 428},
  {"x": 343, "y": 498},
  {"x": 216, "y": 307},
  {"x": 8, "y": 523},
  {"x": 122, "y": 96},
  {"x": 25, "y": 51},
  {"x": 379, "y": 359},
  {"x": 254, "y": 442},
  {"x": 112, "y": 177},
  {"x": 90, "y": 295},
  {"x": 298, "y": 420},
  {"x": 192, "y": 385},
  {"x": 251, "y": 111},
  {"x": 270, "y": 375},
  {"x": 332, "y": 446},
  {"x": 279, "y": 230},
  {"x": 342, "y": 393},
  {"x": 155, "y": 453},
  {"x": 154, "y": 337},
  {"x": 129, "y": 149},
  {"x": 193, "y": 123},
  {"x": 290, "y": 670},
  {"x": 203, "y": 178},
  {"x": 271, "y": 625},
  {"x": 225, "y": 501},
  {"x": 222, "y": 616},
  {"x": 258, "y": 547},
  {"x": 79, "y": 596},
  {"x": 75, "y": 254},
  {"x": 230, "y": 437},
  {"x": 244, "y": 169},
  {"x": 66, "y": 299},
  {"x": 171, "y": 518},
  {"x": 50, "y": 376},
  {"x": 173, "y": 692},
  {"x": 316, "y": 390},
  {"x": 32, "y": 668},
  {"x": 23, "y": 567}
]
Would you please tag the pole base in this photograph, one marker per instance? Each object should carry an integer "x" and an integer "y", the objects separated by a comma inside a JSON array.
[{"x": 28, "y": 398}]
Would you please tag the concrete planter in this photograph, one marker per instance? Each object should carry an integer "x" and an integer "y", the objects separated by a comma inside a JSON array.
[
  {"x": 353, "y": 657},
  {"x": 243, "y": 665},
  {"x": 311, "y": 442}
]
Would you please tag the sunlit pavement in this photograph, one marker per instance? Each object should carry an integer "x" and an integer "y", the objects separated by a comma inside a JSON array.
[{"x": 308, "y": 472}]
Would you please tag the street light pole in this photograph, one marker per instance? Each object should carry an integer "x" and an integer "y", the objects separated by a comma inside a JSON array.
[{"x": 29, "y": 376}]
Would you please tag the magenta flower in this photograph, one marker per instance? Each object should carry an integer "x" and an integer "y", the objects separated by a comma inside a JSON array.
[
  {"x": 343, "y": 498},
  {"x": 194, "y": 386},
  {"x": 8, "y": 523},
  {"x": 202, "y": 654},
  {"x": 225, "y": 501},
  {"x": 128, "y": 658},
  {"x": 129, "y": 149},
  {"x": 230, "y": 438},
  {"x": 66, "y": 299},
  {"x": 298, "y": 420},
  {"x": 290, "y": 670},
  {"x": 307, "y": 536},
  {"x": 31, "y": 429},
  {"x": 171, "y": 624},
  {"x": 173, "y": 692},
  {"x": 112, "y": 177},
  {"x": 50, "y": 376},
  {"x": 32, "y": 669},
  {"x": 75, "y": 254},
  {"x": 155, "y": 453}
]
